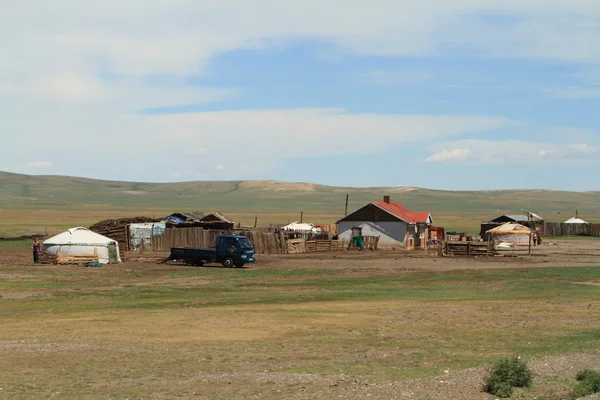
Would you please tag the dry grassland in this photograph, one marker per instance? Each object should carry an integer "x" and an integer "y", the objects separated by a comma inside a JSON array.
[{"x": 371, "y": 325}]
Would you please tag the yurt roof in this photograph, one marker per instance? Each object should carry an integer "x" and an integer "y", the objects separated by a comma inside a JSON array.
[
  {"x": 575, "y": 221},
  {"x": 79, "y": 236},
  {"x": 511, "y": 227},
  {"x": 299, "y": 226}
]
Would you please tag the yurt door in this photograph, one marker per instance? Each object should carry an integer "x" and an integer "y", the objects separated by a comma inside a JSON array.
[{"x": 112, "y": 253}]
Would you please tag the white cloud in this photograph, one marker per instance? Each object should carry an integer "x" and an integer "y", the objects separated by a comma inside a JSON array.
[
  {"x": 573, "y": 93},
  {"x": 513, "y": 152},
  {"x": 255, "y": 140},
  {"x": 452, "y": 155},
  {"x": 181, "y": 36},
  {"x": 38, "y": 164},
  {"x": 57, "y": 81}
]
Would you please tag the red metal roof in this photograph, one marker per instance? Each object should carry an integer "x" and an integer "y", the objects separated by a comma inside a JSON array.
[{"x": 399, "y": 211}]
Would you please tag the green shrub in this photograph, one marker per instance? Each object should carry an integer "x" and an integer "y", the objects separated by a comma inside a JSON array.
[
  {"x": 505, "y": 375},
  {"x": 589, "y": 383}
]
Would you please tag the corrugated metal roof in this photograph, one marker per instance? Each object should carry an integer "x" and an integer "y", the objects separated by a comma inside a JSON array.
[{"x": 402, "y": 212}]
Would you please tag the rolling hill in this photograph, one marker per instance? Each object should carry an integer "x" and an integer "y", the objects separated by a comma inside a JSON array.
[{"x": 279, "y": 200}]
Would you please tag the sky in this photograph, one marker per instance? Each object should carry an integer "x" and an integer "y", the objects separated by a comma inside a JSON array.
[{"x": 457, "y": 95}]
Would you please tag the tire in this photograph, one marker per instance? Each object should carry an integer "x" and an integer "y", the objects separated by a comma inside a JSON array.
[
  {"x": 228, "y": 262},
  {"x": 239, "y": 265}
]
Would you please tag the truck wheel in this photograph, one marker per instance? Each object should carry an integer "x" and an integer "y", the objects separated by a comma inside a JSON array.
[
  {"x": 239, "y": 265},
  {"x": 228, "y": 262}
]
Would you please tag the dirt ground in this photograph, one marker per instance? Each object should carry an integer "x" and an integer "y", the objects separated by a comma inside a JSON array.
[{"x": 461, "y": 384}]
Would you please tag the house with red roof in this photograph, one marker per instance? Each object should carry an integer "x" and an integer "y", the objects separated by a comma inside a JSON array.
[{"x": 396, "y": 225}]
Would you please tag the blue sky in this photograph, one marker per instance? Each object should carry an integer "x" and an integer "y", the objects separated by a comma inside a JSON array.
[{"x": 468, "y": 95}]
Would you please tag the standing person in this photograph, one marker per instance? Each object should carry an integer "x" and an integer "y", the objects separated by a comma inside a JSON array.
[{"x": 36, "y": 247}]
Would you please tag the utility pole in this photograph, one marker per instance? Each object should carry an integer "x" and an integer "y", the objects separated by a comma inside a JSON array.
[
  {"x": 346, "y": 208},
  {"x": 301, "y": 216},
  {"x": 530, "y": 232}
]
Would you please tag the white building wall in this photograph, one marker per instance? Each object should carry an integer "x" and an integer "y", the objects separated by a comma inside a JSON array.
[{"x": 391, "y": 234}]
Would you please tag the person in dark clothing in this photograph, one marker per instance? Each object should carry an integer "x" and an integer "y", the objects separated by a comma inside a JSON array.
[{"x": 36, "y": 247}]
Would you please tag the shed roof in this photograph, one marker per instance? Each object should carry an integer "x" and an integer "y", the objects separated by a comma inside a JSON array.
[
  {"x": 519, "y": 217},
  {"x": 402, "y": 212},
  {"x": 396, "y": 210}
]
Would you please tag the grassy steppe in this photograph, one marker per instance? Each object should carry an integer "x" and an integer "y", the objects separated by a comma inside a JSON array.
[
  {"x": 28, "y": 204},
  {"x": 138, "y": 331}
]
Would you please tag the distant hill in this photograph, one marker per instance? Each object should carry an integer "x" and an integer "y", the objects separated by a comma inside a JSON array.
[{"x": 59, "y": 192}]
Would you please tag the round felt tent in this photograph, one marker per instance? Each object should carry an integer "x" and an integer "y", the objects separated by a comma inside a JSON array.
[
  {"x": 82, "y": 241},
  {"x": 510, "y": 234}
]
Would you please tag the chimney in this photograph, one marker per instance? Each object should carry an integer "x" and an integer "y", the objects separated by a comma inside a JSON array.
[{"x": 386, "y": 199}]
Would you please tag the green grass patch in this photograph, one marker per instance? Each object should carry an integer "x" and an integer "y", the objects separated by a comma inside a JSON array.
[
  {"x": 588, "y": 384},
  {"x": 506, "y": 375},
  {"x": 12, "y": 244}
]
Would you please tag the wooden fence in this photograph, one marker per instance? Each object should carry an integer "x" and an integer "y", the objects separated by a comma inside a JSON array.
[
  {"x": 264, "y": 242},
  {"x": 468, "y": 249},
  {"x": 300, "y": 246},
  {"x": 562, "y": 229}
]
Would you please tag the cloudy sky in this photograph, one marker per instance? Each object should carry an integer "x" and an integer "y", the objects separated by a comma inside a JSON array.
[{"x": 462, "y": 94}]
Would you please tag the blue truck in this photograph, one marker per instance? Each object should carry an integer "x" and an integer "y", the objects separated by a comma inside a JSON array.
[{"x": 230, "y": 251}]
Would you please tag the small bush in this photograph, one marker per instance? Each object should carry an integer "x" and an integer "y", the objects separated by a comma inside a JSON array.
[
  {"x": 505, "y": 375},
  {"x": 589, "y": 383}
]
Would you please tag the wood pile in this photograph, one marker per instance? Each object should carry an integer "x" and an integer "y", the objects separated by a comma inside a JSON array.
[
  {"x": 76, "y": 258},
  {"x": 469, "y": 249},
  {"x": 48, "y": 258}
]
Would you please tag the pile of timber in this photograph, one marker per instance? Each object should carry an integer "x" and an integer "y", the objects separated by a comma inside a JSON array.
[
  {"x": 48, "y": 258},
  {"x": 76, "y": 258},
  {"x": 468, "y": 249}
]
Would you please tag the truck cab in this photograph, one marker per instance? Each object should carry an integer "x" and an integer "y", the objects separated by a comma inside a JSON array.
[{"x": 234, "y": 250}]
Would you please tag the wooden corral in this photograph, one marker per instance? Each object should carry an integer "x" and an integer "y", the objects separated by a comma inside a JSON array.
[
  {"x": 371, "y": 243},
  {"x": 324, "y": 245},
  {"x": 300, "y": 246},
  {"x": 468, "y": 249}
]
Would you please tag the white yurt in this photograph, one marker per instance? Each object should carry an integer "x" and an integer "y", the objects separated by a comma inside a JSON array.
[
  {"x": 575, "y": 221},
  {"x": 83, "y": 241},
  {"x": 301, "y": 227}
]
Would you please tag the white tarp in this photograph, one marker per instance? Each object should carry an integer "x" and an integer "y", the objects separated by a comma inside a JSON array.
[
  {"x": 83, "y": 241},
  {"x": 575, "y": 221},
  {"x": 142, "y": 234},
  {"x": 301, "y": 227}
]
